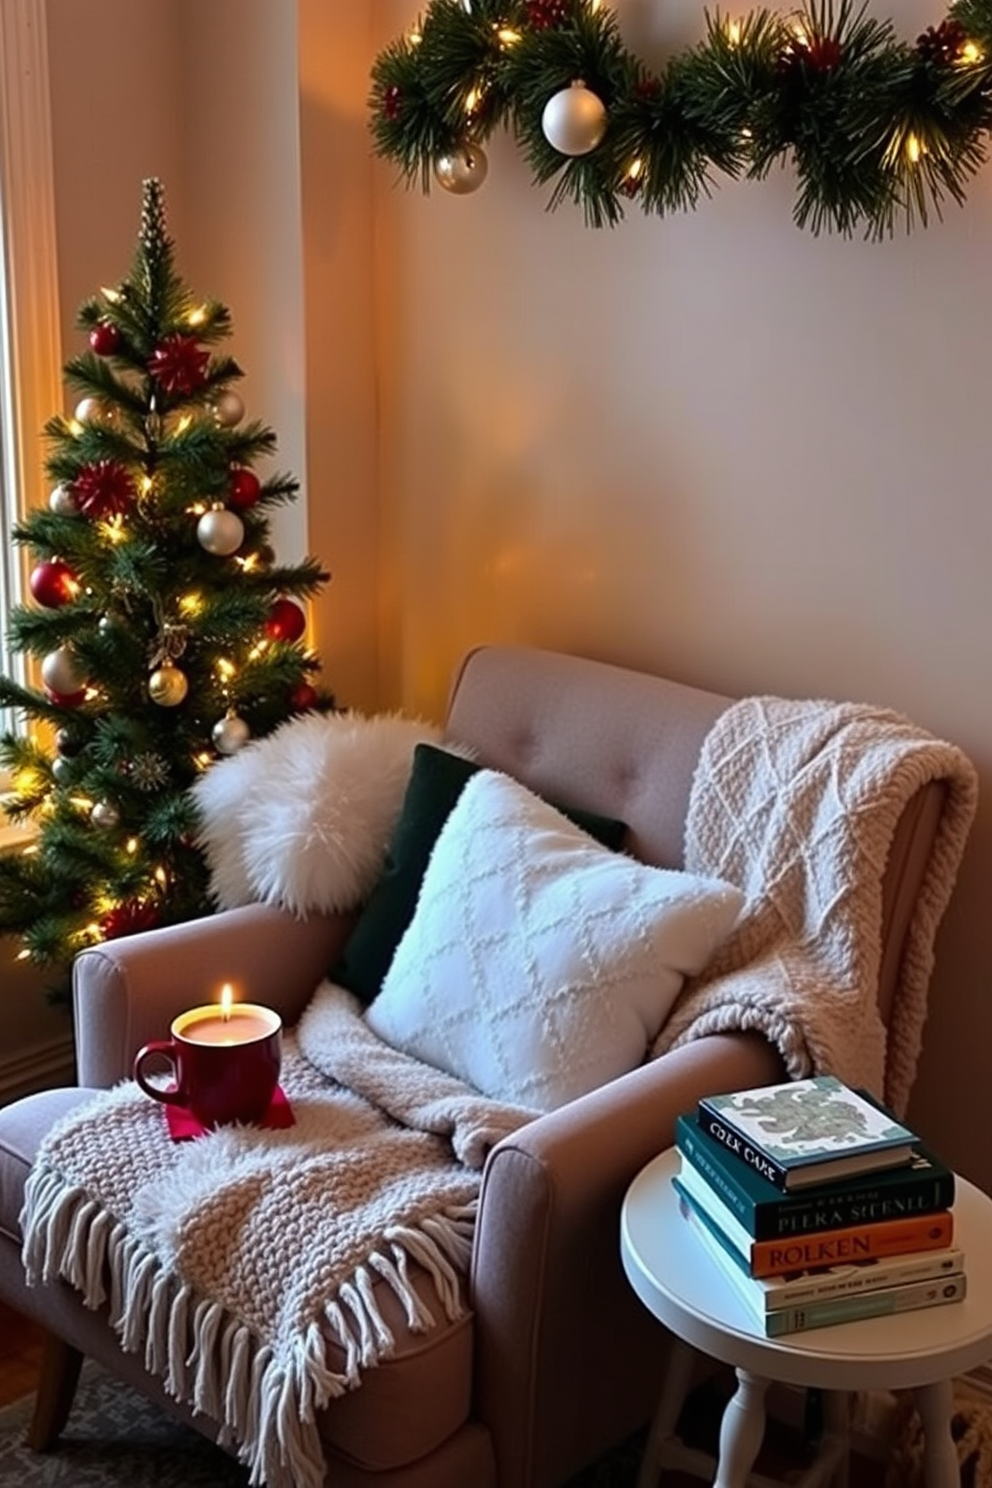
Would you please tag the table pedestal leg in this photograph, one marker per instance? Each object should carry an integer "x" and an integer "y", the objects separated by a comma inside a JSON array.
[
  {"x": 837, "y": 1433},
  {"x": 742, "y": 1431},
  {"x": 940, "y": 1457},
  {"x": 666, "y": 1417}
]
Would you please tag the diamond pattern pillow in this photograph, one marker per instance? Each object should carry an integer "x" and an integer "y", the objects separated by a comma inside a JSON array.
[{"x": 539, "y": 965}]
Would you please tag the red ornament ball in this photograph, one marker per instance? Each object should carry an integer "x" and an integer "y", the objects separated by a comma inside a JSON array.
[
  {"x": 105, "y": 339},
  {"x": 286, "y": 621},
  {"x": 303, "y": 698},
  {"x": 53, "y": 583},
  {"x": 244, "y": 488},
  {"x": 179, "y": 365},
  {"x": 128, "y": 918},
  {"x": 392, "y": 100},
  {"x": 66, "y": 699}
]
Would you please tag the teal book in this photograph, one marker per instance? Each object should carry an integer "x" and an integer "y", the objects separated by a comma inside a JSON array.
[
  {"x": 810, "y": 1131},
  {"x": 922, "y": 1186}
]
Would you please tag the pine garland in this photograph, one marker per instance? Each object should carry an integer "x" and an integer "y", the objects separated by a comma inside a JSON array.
[{"x": 877, "y": 130}]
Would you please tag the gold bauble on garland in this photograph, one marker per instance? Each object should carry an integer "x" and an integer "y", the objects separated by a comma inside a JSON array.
[
  {"x": 168, "y": 685},
  {"x": 875, "y": 129}
]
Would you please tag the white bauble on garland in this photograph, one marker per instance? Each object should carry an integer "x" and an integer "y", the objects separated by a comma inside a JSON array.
[
  {"x": 62, "y": 502},
  {"x": 220, "y": 532},
  {"x": 574, "y": 120},
  {"x": 463, "y": 169}
]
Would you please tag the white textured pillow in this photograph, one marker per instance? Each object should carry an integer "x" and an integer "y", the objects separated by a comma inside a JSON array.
[
  {"x": 539, "y": 965},
  {"x": 302, "y": 817}
]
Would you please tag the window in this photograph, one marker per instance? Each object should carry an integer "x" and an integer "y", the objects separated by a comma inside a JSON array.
[{"x": 30, "y": 349}]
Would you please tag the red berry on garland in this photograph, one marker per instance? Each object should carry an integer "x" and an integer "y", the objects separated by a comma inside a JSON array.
[
  {"x": 286, "y": 621},
  {"x": 823, "y": 53},
  {"x": 128, "y": 918},
  {"x": 391, "y": 101},
  {"x": 105, "y": 339},
  {"x": 542, "y": 14},
  {"x": 303, "y": 698},
  {"x": 53, "y": 583},
  {"x": 244, "y": 488},
  {"x": 179, "y": 365},
  {"x": 104, "y": 489}
]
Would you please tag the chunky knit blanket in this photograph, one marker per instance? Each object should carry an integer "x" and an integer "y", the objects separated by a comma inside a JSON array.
[
  {"x": 797, "y": 804},
  {"x": 243, "y": 1264}
]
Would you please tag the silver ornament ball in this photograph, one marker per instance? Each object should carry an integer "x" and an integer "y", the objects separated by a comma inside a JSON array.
[
  {"x": 105, "y": 815},
  {"x": 61, "y": 770},
  {"x": 61, "y": 671},
  {"x": 462, "y": 170},
  {"x": 230, "y": 734},
  {"x": 220, "y": 532},
  {"x": 228, "y": 408},
  {"x": 62, "y": 502},
  {"x": 574, "y": 120}
]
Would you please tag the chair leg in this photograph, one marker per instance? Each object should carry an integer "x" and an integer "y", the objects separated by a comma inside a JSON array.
[{"x": 60, "y": 1368}]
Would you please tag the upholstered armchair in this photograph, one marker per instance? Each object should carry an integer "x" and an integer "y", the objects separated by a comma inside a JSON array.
[{"x": 546, "y": 1358}]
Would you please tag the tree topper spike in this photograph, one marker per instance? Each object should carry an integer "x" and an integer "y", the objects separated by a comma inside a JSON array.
[{"x": 154, "y": 237}]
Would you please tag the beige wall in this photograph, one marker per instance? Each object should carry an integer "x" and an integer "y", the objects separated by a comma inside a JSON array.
[{"x": 712, "y": 446}]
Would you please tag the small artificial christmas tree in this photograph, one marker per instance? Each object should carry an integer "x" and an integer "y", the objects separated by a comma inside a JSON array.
[{"x": 164, "y": 632}]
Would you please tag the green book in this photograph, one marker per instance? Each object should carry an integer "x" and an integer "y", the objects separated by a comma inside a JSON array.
[{"x": 924, "y": 1185}]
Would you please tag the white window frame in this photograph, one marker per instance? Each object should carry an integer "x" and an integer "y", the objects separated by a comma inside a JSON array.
[{"x": 31, "y": 370}]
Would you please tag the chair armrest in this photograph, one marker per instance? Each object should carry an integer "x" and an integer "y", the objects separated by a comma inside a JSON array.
[
  {"x": 127, "y": 991},
  {"x": 547, "y": 1279}
]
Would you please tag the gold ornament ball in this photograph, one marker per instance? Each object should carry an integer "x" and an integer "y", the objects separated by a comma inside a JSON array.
[
  {"x": 462, "y": 170},
  {"x": 230, "y": 734},
  {"x": 229, "y": 408},
  {"x": 574, "y": 120},
  {"x": 167, "y": 685},
  {"x": 220, "y": 532}
]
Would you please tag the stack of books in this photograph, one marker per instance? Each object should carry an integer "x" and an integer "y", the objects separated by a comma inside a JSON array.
[{"x": 818, "y": 1204}]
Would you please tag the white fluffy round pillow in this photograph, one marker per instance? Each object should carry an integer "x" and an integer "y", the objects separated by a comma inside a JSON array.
[{"x": 303, "y": 817}]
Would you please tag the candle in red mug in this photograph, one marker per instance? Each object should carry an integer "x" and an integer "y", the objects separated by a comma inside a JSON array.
[{"x": 225, "y": 1058}]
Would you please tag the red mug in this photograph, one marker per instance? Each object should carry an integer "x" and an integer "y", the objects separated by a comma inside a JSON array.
[{"x": 225, "y": 1066}]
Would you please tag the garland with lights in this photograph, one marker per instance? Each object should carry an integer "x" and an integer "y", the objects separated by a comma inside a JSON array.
[
  {"x": 877, "y": 130},
  {"x": 164, "y": 633}
]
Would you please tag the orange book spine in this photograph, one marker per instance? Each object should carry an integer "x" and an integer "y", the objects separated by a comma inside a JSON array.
[{"x": 886, "y": 1237}]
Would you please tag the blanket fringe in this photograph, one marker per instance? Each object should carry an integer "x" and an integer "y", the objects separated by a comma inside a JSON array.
[{"x": 211, "y": 1361}]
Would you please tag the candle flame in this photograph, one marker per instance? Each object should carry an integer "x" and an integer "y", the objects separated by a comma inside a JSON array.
[{"x": 226, "y": 998}]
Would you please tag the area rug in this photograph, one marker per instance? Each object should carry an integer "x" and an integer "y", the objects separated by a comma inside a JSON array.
[{"x": 116, "y": 1438}]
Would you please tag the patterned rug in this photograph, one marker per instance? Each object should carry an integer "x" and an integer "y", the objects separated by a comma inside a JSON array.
[{"x": 115, "y": 1438}]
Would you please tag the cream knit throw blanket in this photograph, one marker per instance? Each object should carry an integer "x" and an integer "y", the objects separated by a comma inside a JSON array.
[
  {"x": 242, "y": 1264},
  {"x": 797, "y": 804}
]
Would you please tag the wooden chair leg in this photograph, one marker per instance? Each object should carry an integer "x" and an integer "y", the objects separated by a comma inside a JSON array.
[{"x": 60, "y": 1368}]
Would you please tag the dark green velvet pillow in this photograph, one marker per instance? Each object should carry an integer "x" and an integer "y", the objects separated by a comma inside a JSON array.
[{"x": 436, "y": 781}]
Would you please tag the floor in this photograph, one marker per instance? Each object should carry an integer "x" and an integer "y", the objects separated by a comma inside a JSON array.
[{"x": 784, "y": 1452}]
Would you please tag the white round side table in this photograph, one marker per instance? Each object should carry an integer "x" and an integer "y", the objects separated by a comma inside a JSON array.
[{"x": 685, "y": 1288}]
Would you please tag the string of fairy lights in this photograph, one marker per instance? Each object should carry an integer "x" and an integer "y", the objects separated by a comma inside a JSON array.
[{"x": 878, "y": 130}]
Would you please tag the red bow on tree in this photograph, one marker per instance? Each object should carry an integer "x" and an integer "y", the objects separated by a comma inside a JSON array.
[
  {"x": 104, "y": 489},
  {"x": 179, "y": 364}
]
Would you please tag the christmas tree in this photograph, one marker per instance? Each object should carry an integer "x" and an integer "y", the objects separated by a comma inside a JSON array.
[{"x": 164, "y": 634}]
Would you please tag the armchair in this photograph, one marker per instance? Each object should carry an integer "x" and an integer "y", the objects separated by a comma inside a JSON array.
[{"x": 556, "y": 1359}]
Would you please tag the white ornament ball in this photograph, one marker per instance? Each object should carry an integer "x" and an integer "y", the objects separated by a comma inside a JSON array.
[
  {"x": 230, "y": 734},
  {"x": 91, "y": 411},
  {"x": 62, "y": 673},
  {"x": 228, "y": 408},
  {"x": 220, "y": 532},
  {"x": 574, "y": 120},
  {"x": 62, "y": 502},
  {"x": 105, "y": 815},
  {"x": 168, "y": 685},
  {"x": 462, "y": 170}
]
